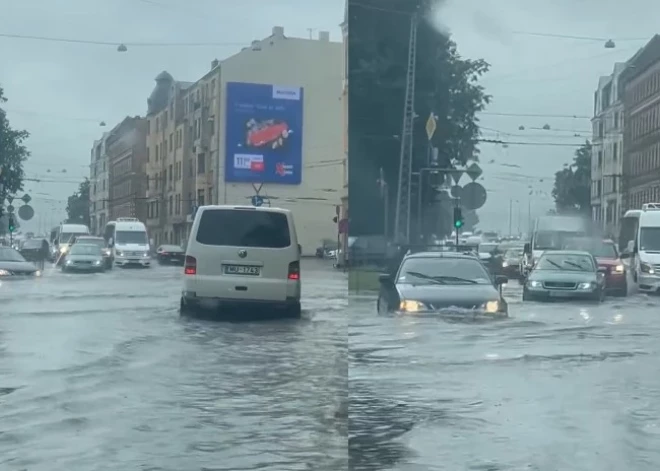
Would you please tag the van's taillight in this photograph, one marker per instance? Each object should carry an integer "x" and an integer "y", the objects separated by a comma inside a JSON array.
[
  {"x": 190, "y": 266},
  {"x": 294, "y": 271}
]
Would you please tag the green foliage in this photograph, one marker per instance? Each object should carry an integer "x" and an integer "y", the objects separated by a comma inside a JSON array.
[
  {"x": 446, "y": 84},
  {"x": 12, "y": 154},
  {"x": 572, "y": 189},
  {"x": 77, "y": 207}
]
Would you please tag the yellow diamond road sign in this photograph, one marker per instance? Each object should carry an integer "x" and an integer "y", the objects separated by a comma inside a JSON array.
[{"x": 430, "y": 126}]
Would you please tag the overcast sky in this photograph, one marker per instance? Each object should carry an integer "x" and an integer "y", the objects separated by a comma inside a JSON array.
[
  {"x": 61, "y": 91},
  {"x": 543, "y": 76}
]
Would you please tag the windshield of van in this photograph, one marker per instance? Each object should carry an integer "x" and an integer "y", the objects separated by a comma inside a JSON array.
[
  {"x": 131, "y": 237},
  {"x": 553, "y": 240},
  {"x": 244, "y": 228},
  {"x": 67, "y": 237},
  {"x": 649, "y": 239}
]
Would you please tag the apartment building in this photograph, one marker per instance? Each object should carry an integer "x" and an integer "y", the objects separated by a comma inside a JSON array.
[
  {"x": 99, "y": 188},
  {"x": 296, "y": 81},
  {"x": 188, "y": 140},
  {"x": 607, "y": 151},
  {"x": 179, "y": 172},
  {"x": 641, "y": 141},
  {"x": 126, "y": 161}
]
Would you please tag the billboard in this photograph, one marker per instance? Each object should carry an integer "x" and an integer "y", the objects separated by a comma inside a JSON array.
[{"x": 263, "y": 136}]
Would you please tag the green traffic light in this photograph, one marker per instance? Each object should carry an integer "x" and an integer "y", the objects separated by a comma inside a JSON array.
[{"x": 458, "y": 224}]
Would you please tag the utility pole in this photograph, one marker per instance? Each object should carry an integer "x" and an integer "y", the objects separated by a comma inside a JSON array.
[
  {"x": 510, "y": 217},
  {"x": 402, "y": 216}
]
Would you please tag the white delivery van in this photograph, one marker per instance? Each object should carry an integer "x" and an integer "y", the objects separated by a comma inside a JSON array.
[
  {"x": 644, "y": 249},
  {"x": 65, "y": 235},
  {"x": 242, "y": 257},
  {"x": 128, "y": 242}
]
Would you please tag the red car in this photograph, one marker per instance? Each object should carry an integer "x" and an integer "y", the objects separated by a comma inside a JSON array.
[{"x": 607, "y": 257}]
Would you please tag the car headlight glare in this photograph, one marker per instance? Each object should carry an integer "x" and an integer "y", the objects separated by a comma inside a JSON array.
[
  {"x": 98, "y": 262},
  {"x": 619, "y": 269},
  {"x": 411, "y": 306},
  {"x": 492, "y": 307},
  {"x": 146, "y": 254},
  {"x": 535, "y": 284},
  {"x": 505, "y": 264},
  {"x": 585, "y": 285},
  {"x": 68, "y": 262},
  {"x": 4, "y": 273},
  {"x": 63, "y": 249}
]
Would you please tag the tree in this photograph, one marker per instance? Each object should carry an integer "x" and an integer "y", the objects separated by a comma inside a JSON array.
[
  {"x": 13, "y": 154},
  {"x": 572, "y": 188},
  {"x": 446, "y": 84},
  {"x": 77, "y": 207}
]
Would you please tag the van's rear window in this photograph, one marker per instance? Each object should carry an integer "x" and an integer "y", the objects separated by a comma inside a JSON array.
[{"x": 244, "y": 228}]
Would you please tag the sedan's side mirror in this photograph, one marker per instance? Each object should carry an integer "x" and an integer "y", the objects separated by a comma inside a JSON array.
[
  {"x": 384, "y": 278},
  {"x": 501, "y": 280}
]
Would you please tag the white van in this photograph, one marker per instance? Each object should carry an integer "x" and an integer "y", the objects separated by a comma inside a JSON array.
[
  {"x": 644, "y": 250},
  {"x": 242, "y": 256},
  {"x": 65, "y": 235},
  {"x": 128, "y": 242}
]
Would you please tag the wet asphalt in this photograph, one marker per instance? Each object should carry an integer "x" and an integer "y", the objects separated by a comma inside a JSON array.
[
  {"x": 99, "y": 372},
  {"x": 557, "y": 387}
]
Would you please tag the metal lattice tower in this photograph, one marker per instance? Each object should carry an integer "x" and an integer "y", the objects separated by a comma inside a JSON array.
[{"x": 402, "y": 217}]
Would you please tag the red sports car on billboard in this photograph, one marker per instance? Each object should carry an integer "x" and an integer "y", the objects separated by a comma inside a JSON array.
[{"x": 267, "y": 133}]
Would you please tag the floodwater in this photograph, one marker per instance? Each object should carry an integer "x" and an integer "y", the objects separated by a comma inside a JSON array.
[
  {"x": 558, "y": 387},
  {"x": 99, "y": 372}
]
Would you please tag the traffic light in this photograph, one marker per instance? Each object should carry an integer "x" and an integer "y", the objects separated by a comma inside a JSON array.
[
  {"x": 11, "y": 223},
  {"x": 458, "y": 218}
]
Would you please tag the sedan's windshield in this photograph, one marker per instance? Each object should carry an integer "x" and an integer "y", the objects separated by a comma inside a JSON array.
[
  {"x": 96, "y": 242},
  {"x": 649, "y": 239},
  {"x": 434, "y": 270},
  {"x": 10, "y": 255},
  {"x": 67, "y": 237},
  {"x": 85, "y": 249},
  {"x": 565, "y": 262},
  {"x": 513, "y": 254},
  {"x": 487, "y": 248},
  {"x": 131, "y": 237}
]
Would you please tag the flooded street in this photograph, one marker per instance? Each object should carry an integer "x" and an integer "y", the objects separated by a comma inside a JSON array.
[
  {"x": 556, "y": 387},
  {"x": 99, "y": 372}
]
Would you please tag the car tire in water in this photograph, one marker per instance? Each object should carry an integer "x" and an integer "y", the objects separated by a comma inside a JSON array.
[
  {"x": 184, "y": 309},
  {"x": 525, "y": 296},
  {"x": 294, "y": 311}
]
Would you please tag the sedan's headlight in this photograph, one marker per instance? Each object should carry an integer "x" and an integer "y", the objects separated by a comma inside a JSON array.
[
  {"x": 63, "y": 249},
  {"x": 505, "y": 264},
  {"x": 585, "y": 286},
  {"x": 4, "y": 273},
  {"x": 68, "y": 262},
  {"x": 619, "y": 268},
  {"x": 37, "y": 273},
  {"x": 646, "y": 268},
  {"x": 98, "y": 262},
  {"x": 534, "y": 284},
  {"x": 411, "y": 306},
  {"x": 492, "y": 307}
]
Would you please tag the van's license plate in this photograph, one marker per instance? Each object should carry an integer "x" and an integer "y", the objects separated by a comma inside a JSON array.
[{"x": 242, "y": 270}]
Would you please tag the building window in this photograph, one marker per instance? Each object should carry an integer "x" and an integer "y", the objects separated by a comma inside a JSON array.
[
  {"x": 200, "y": 197},
  {"x": 169, "y": 206},
  {"x": 171, "y": 143},
  {"x": 201, "y": 164}
]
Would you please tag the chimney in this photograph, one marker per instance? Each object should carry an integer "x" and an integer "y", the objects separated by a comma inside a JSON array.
[
  {"x": 324, "y": 36},
  {"x": 278, "y": 31},
  {"x": 214, "y": 63},
  {"x": 256, "y": 46}
]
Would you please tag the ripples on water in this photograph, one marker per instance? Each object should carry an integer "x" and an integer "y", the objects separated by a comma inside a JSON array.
[
  {"x": 556, "y": 387},
  {"x": 100, "y": 373}
]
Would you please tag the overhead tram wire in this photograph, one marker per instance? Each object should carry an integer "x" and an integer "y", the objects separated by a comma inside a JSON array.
[{"x": 117, "y": 43}]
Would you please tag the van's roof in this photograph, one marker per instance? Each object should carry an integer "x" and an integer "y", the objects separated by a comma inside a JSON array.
[
  {"x": 245, "y": 207},
  {"x": 75, "y": 227},
  {"x": 650, "y": 217},
  {"x": 130, "y": 226}
]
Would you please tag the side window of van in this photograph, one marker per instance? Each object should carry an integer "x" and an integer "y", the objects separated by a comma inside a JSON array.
[{"x": 244, "y": 228}]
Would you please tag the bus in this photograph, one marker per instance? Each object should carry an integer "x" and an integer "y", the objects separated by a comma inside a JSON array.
[{"x": 128, "y": 242}]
